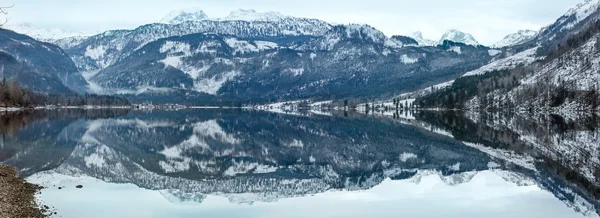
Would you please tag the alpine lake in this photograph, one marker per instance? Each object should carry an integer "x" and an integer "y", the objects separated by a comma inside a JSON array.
[{"x": 251, "y": 163}]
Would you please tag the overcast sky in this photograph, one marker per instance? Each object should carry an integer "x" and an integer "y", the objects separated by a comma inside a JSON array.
[{"x": 488, "y": 20}]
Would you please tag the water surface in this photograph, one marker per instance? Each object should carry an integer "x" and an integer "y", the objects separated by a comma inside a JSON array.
[{"x": 237, "y": 163}]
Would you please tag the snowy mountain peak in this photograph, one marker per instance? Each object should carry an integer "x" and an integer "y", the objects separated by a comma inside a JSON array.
[
  {"x": 570, "y": 20},
  {"x": 177, "y": 17},
  {"x": 354, "y": 32},
  {"x": 43, "y": 34},
  {"x": 584, "y": 9},
  {"x": 516, "y": 38},
  {"x": 418, "y": 36},
  {"x": 364, "y": 32},
  {"x": 252, "y": 15},
  {"x": 458, "y": 36}
]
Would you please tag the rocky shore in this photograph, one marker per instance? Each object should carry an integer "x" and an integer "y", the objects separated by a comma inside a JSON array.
[{"x": 17, "y": 196}]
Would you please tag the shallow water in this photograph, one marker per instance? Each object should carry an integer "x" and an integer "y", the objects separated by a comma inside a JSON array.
[{"x": 236, "y": 163}]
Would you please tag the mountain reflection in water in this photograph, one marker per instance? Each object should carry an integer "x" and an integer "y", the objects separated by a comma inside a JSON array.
[{"x": 239, "y": 163}]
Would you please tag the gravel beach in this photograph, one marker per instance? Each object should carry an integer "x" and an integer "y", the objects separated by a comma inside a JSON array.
[{"x": 17, "y": 196}]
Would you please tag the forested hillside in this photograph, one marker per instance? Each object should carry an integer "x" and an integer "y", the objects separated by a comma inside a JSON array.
[
  {"x": 12, "y": 94},
  {"x": 567, "y": 79}
]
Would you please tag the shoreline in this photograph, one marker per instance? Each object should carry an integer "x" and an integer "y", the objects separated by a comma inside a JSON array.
[{"x": 17, "y": 196}]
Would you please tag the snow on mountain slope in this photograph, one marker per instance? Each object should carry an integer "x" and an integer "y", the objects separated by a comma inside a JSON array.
[
  {"x": 111, "y": 46},
  {"x": 401, "y": 41},
  {"x": 523, "y": 58},
  {"x": 252, "y": 15},
  {"x": 516, "y": 38},
  {"x": 39, "y": 66},
  {"x": 583, "y": 10},
  {"x": 177, "y": 17},
  {"x": 341, "y": 33},
  {"x": 458, "y": 36},
  {"x": 46, "y": 35},
  {"x": 365, "y": 32},
  {"x": 418, "y": 36},
  {"x": 574, "y": 70},
  {"x": 572, "y": 21},
  {"x": 581, "y": 67}
]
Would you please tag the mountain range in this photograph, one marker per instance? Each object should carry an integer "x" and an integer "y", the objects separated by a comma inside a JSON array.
[
  {"x": 252, "y": 57},
  {"x": 195, "y": 57}
]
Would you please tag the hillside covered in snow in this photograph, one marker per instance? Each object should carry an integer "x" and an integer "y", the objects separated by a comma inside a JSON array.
[{"x": 536, "y": 75}]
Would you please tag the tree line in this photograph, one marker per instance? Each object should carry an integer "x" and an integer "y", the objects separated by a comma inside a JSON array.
[{"x": 12, "y": 94}]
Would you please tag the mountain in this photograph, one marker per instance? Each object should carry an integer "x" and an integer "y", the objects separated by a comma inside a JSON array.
[
  {"x": 252, "y": 15},
  {"x": 100, "y": 51},
  {"x": 458, "y": 36},
  {"x": 340, "y": 33},
  {"x": 418, "y": 36},
  {"x": 45, "y": 35},
  {"x": 573, "y": 21},
  {"x": 177, "y": 17},
  {"x": 251, "y": 56},
  {"x": 37, "y": 65},
  {"x": 403, "y": 41},
  {"x": 237, "y": 69},
  {"x": 554, "y": 72},
  {"x": 62, "y": 38},
  {"x": 516, "y": 38}
]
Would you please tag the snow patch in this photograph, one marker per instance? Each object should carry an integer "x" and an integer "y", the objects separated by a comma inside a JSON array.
[
  {"x": 407, "y": 60},
  {"x": 404, "y": 157},
  {"x": 455, "y": 167},
  {"x": 245, "y": 47},
  {"x": 213, "y": 85},
  {"x": 494, "y": 52},
  {"x": 456, "y": 49}
]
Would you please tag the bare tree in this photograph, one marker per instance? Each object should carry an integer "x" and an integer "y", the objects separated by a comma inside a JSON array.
[{"x": 4, "y": 12}]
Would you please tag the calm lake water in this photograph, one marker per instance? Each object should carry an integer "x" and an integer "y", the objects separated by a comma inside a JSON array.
[{"x": 238, "y": 163}]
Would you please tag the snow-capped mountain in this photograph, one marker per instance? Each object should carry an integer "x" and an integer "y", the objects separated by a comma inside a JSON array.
[
  {"x": 181, "y": 16},
  {"x": 100, "y": 51},
  {"x": 569, "y": 50},
  {"x": 340, "y": 33},
  {"x": 574, "y": 20},
  {"x": 345, "y": 57},
  {"x": 516, "y": 38},
  {"x": 39, "y": 66},
  {"x": 221, "y": 56},
  {"x": 458, "y": 36},
  {"x": 252, "y": 15},
  {"x": 418, "y": 36},
  {"x": 46, "y": 35},
  {"x": 63, "y": 38}
]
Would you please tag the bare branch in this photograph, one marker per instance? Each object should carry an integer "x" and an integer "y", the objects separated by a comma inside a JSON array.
[{"x": 4, "y": 11}]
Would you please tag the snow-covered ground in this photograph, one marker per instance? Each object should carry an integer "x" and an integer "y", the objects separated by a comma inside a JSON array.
[{"x": 523, "y": 58}]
